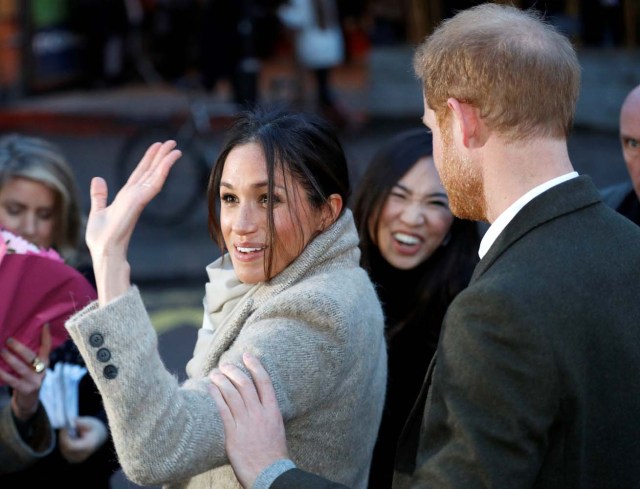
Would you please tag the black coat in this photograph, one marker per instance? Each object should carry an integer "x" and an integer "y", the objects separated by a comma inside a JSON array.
[
  {"x": 412, "y": 332},
  {"x": 536, "y": 382}
]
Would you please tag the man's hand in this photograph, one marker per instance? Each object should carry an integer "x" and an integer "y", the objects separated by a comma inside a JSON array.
[{"x": 253, "y": 426}]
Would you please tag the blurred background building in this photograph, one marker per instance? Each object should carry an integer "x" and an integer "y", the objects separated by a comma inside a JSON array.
[
  {"x": 87, "y": 74},
  {"x": 48, "y": 45}
]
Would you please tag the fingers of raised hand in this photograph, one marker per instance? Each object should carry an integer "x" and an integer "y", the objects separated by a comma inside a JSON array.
[
  {"x": 154, "y": 167},
  {"x": 145, "y": 163},
  {"x": 99, "y": 193}
]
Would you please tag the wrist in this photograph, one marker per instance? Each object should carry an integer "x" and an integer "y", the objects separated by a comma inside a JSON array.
[
  {"x": 113, "y": 278},
  {"x": 265, "y": 478},
  {"x": 24, "y": 409}
]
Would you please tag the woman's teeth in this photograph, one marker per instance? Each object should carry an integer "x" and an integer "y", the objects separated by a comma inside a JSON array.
[
  {"x": 406, "y": 239},
  {"x": 248, "y": 250}
]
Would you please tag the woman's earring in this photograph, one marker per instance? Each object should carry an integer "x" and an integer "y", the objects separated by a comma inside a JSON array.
[{"x": 446, "y": 240}]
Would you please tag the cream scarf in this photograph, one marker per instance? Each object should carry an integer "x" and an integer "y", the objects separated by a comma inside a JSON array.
[{"x": 223, "y": 293}]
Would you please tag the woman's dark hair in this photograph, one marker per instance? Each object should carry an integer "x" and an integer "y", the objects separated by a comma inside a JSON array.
[
  {"x": 449, "y": 268},
  {"x": 304, "y": 145}
]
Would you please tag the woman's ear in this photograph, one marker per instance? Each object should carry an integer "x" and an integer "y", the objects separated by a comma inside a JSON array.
[{"x": 331, "y": 210}]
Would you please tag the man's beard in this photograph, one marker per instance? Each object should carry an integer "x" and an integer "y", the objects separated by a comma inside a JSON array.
[{"x": 462, "y": 181}]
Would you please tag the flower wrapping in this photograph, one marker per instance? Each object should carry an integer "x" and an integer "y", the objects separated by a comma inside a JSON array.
[{"x": 37, "y": 287}]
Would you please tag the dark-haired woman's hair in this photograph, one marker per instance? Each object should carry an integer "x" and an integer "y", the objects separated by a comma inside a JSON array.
[
  {"x": 303, "y": 145},
  {"x": 449, "y": 267}
]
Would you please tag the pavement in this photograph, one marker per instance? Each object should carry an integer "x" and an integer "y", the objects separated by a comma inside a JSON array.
[{"x": 382, "y": 95}]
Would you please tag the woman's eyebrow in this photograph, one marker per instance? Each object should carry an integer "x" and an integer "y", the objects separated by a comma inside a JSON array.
[
  {"x": 253, "y": 185},
  {"x": 409, "y": 191}
]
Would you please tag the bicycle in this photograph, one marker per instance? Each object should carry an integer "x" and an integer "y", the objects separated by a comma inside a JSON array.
[
  {"x": 186, "y": 184},
  {"x": 198, "y": 141}
]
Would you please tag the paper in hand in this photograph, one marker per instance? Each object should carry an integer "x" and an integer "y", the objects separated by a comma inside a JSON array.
[{"x": 59, "y": 395}]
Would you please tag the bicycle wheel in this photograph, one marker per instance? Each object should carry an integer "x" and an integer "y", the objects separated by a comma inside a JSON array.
[{"x": 186, "y": 184}]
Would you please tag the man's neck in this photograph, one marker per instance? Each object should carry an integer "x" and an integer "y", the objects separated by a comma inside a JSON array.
[{"x": 511, "y": 170}]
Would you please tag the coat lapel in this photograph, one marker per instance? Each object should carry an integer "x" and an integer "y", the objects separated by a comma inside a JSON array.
[{"x": 562, "y": 199}]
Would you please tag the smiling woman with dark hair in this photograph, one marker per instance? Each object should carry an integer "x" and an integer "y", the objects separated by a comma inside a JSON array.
[
  {"x": 288, "y": 289},
  {"x": 419, "y": 257}
]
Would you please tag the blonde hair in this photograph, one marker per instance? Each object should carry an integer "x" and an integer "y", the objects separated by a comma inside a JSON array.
[
  {"x": 519, "y": 71},
  {"x": 38, "y": 160}
]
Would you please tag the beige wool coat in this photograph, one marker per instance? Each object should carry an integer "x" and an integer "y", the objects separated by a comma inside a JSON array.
[{"x": 318, "y": 329}]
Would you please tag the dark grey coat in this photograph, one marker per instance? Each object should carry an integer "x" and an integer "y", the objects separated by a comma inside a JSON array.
[{"x": 537, "y": 378}]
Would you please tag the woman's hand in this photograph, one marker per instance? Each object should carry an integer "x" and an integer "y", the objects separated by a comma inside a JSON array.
[
  {"x": 253, "y": 427},
  {"x": 109, "y": 228},
  {"x": 90, "y": 434},
  {"x": 25, "y": 381}
]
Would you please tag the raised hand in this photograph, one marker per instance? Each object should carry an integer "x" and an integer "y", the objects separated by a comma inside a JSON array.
[
  {"x": 109, "y": 227},
  {"x": 29, "y": 371},
  {"x": 253, "y": 426}
]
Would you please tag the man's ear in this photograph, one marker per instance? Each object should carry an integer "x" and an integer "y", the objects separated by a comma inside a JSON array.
[{"x": 467, "y": 122}]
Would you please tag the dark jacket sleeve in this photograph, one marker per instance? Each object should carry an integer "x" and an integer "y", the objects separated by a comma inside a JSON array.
[
  {"x": 297, "y": 478},
  {"x": 21, "y": 446}
]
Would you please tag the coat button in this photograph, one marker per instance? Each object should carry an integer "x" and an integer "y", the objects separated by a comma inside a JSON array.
[
  {"x": 96, "y": 340},
  {"x": 103, "y": 355},
  {"x": 110, "y": 372}
]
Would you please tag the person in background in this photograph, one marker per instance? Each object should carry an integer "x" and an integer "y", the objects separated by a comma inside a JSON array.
[
  {"x": 39, "y": 201},
  {"x": 625, "y": 197},
  {"x": 288, "y": 288},
  {"x": 26, "y": 435},
  {"x": 319, "y": 46},
  {"x": 533, "y": 382},
  {"x": 419, "y": 256}
]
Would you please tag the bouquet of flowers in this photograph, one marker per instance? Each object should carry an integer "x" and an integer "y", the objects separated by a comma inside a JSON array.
[{"x": 37, "y": 287}]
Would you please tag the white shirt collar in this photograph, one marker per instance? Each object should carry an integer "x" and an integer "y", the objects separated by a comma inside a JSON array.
[{"x": 507, "y": 215}]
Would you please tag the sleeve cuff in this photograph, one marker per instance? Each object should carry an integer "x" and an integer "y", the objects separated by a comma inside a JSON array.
[{"x": 272, "y": 472}]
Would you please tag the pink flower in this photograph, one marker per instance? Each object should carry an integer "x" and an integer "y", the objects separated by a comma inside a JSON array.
[{"x": 17, "y": 244}]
